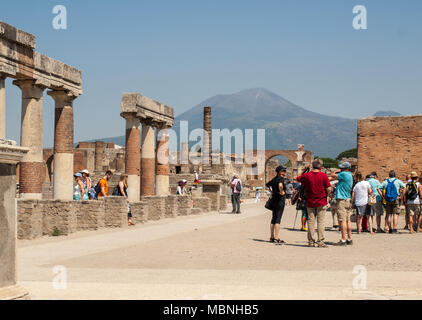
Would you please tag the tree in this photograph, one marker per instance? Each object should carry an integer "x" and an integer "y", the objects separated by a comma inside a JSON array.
[
  {"x": 352, "y": 153},
  {"x": 329, "y": 162}
]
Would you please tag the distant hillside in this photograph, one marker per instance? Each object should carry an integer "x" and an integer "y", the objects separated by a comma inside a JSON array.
[{"x": 286, "y": 124}]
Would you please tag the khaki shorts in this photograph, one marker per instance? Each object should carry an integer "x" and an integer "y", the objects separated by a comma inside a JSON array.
[
  {"x": 414, "y": 209},
  {"x": 343, "y": 209},
  {"x": 392, "y": 207}
]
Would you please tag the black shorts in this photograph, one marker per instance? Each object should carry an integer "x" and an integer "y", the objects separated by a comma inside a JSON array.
[{"x": 278, "y": 210}]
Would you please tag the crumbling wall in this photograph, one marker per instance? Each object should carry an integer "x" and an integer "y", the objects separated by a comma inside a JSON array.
[{"x": 390, "y": 143}]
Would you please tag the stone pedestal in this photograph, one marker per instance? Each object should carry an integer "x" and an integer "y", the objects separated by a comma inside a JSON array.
[
  {"x": 211, "y": 190},
  {"x": 10, "y": 155}
]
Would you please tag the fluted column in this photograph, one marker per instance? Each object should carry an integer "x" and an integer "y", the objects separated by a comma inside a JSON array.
[
  {"x": 162, "y": 168},
  {"x": 31, "y": 166},
  {"x": 133, "y": 157},
  {"x": 2, "y": 107},
  {"x": 63, "y": 145},
  {"x": 147, "y": 161}
]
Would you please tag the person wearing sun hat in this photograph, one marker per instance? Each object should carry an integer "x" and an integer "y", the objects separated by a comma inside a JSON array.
[
  {"x": 79, "y": 191},
  {"x": 86, "y": 181},
  {"x": 343, "y": 202},
  {"x": 412, "y": 197}
]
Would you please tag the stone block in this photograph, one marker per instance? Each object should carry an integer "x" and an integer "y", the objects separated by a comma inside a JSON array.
[
  {"x": 90, "y": 215},
  {"x": 58, "y": 217},
  {"x": 184, "y": 204},
  {"x": 223, "y": 202},
  {"x": 156, "y": 207},
  {"x": 139, "y": 211},
  {"x": 115, "y": 212},
  {"x": 203, "y": 202},
  {"x": 30, "y": 217},
  {"x": 172, "y": 208}
]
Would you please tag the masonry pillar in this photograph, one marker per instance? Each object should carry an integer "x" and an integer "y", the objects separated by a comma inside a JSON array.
[
  {"x": 162, "y": 184},
  {"x": 63, "y": 145},
  {"x": 132, "y": 157},
  {"x": 147, "y": 161},
  {"x": 184, "y": 157},
  {"x": 99, "y": 155},
  {"x": 31, "y": 166},
  {"x": 2, "y": 107},
  {"x": 207, "y": 141},
  {"x": 10, "y": 155}
]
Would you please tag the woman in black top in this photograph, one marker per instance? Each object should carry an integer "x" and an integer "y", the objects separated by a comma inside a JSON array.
[
  {"x": 121, "y": 190},
  {"x": 277, "y": 186}
]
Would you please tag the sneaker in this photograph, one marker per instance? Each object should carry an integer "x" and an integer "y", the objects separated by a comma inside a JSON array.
[
  {"x": 311, "y": 244},
  {"x": 349, "y": 242},
  {"x": 390, "y": 231},
  {"x": 322, "y": 245},
  {"x": 341, "y": 243},
  {"x": 395, "y": 231},
  {"x": 380, "y": 231}
]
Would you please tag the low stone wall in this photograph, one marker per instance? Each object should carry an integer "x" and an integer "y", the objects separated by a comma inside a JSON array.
[
  {"x": 37, "y": 218},
  {"x": 203, "y": 203}
]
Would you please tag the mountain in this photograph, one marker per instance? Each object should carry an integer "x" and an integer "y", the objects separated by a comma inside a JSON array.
[
  {"x": 386, "y": 114},
  {"x": 286, "y": 123}
]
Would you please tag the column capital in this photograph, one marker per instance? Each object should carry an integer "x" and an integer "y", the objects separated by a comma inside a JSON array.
[
  {"x": 63, "y": 96},
  {"x": 129, "y": 116},
  {"x": 30, "y": 88}
]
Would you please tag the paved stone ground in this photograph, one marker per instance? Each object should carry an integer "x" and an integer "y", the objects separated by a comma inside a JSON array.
[{"x": 220, "y": 256}]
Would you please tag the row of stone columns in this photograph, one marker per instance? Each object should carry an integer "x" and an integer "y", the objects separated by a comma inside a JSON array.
[
  {"x": 31, "y": 166},
  {"x": 147, "y": 166}
]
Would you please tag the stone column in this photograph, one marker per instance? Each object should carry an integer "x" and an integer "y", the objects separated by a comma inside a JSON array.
[
  {"x": 207, "y": 141},
  {"x": 120, "y": 160},
  {"x": 2, "y": 107},
  {"x": 99, "y": 155},
  {"x": 31, "y": 166},
  {"x": 133, "y": 156},
  {"x": 9, "y": 157},
  {"x": 147, "y": 161},
  {"x": 162, "y": 184},
  {"x": 63, "y": 145}
]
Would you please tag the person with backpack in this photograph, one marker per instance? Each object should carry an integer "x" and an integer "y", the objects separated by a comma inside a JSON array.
[
  {"x": 277, "y": 187},
  {"x": 412, "y": 197},
  {"x": 376, "y": 209},
  {"x": 101, "y": 189},
  {"x": 343, "y": 202},
  {"x": 393, "y": 188},
  {"x": 236, "y": 185}
]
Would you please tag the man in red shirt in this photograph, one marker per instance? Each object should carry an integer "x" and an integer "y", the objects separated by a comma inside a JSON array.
[{"x": 317, "y": 188}]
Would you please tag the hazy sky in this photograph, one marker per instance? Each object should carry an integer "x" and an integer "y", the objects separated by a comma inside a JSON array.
[{"x": 182, "y": 52}]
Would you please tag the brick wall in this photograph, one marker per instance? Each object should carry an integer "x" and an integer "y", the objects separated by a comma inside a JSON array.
[{"x": 386, "y": 143}]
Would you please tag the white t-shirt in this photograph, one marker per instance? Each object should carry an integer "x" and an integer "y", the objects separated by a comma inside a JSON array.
[{"x": 361, "y": 191}]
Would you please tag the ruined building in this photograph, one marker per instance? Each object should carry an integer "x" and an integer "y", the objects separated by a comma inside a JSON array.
[{"x": 390, "y": 143}]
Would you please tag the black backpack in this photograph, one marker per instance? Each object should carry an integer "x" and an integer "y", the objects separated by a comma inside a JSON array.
[
  {"x": 238, "y": 186},
  {"x": 97, "y": 189},
  {"x": 412, "y": 191},
  {"x": 116, "y": 191}
]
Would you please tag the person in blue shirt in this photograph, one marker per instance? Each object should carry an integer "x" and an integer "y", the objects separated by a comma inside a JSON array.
[
  {"x": 343, "y": 202},
  {"x": 376, "y": 209},
  {"x": 392, "y": 207}
]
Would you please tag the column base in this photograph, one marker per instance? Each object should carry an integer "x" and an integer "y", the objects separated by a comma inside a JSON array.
[
  {"x": 162, "y": 185},
  {"x": 15, "y": 292}
]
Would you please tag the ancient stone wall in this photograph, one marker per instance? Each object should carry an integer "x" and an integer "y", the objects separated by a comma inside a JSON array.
[{"x": 390, "y": 143}]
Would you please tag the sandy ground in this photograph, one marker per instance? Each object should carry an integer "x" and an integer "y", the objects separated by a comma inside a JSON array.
[{"x": 222, "y": 256}]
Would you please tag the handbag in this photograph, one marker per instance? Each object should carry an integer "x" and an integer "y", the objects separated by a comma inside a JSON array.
[
  {"x": 301, "y": 205},
  {"x": 372, "y": 200},
  {"x": 269, "y": 204}
]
